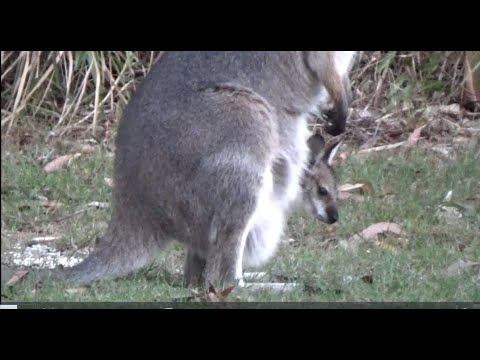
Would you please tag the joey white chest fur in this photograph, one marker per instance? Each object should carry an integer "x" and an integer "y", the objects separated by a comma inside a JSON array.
[{"x": 280, "y": 188}]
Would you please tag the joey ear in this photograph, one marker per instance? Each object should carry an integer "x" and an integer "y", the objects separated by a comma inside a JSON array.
[
  {"x": 316, "y": 143},
  {"x": 331, "y": 151},
  {"x": 306, "y": 174}
]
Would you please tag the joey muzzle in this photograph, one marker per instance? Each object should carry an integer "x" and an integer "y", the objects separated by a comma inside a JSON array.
[{"x": 332, "y": 216}]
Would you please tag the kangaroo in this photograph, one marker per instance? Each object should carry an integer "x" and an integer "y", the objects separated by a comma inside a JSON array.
[
  {"x": 211, "y": 151},
  {"x": 318, "y": 195},
  {"x": 319, "y": 186}
]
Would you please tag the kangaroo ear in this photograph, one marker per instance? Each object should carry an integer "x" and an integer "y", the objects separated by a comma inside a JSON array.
[
  {"x": 307, "y": 174},
  {"x": 316, "y": 143},
  {"x": 331, "y": 151}
]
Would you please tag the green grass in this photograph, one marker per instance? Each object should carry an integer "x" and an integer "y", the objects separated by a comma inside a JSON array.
[{"x": 409, "y": 187}]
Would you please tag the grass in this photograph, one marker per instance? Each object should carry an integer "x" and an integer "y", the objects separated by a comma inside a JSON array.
[{"x": 409, "y": 186}]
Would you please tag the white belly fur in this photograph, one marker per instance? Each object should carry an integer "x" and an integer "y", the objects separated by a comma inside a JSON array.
[{"x": 268, "y": 220}]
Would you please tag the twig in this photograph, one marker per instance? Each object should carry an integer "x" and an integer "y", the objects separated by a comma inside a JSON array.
[{"x": 383, "y": 147}]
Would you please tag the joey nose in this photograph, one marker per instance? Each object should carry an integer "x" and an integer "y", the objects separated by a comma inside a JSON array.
[{"x": 332, "y": 216}]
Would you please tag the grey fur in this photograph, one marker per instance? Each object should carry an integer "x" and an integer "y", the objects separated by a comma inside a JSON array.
[{"x": 194, "y": 146}]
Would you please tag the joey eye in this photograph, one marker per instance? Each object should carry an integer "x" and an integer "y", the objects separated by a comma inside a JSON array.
[{"x": 322, "y": 191}]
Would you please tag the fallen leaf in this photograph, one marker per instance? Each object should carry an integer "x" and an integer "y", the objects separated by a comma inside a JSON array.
[
  {"x": 461, "y": 266},
  {"x": 415, "y": 136},
  {"x": 108, "y": 181},
  {"x": 16, "y": 277},
  {"x": 363, "y": 185},
  {"x": 87, "y": 149},
  {"x": 57, "y": 163},
  {"x": 213, "y": 296},
  {"x": 60, "y": 162},
  {"x": 223, "y": 295},
  {"x": 342, "y": 156},
  {"x": 349, "y": 187},
  {"x": 211, "y": 289},
  {"x": 374, "y": 230}
]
